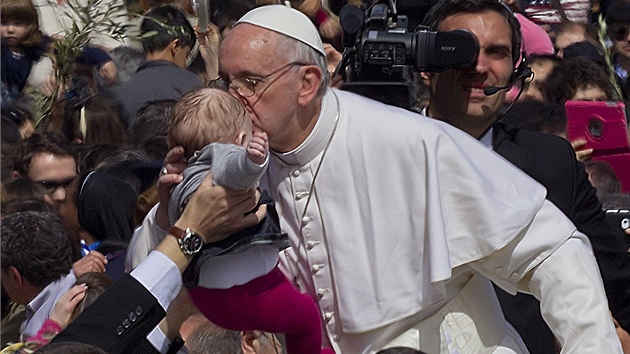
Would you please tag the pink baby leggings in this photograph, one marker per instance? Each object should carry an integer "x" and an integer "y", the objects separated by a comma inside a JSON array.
[{"x": 268, "y": 303}]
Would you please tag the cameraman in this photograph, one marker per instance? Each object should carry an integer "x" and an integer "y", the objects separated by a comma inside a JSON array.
[{"x": 457, "y": 97}]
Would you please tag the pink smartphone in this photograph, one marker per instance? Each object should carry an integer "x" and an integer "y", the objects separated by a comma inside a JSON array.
[{"x": 601, "y": 124}]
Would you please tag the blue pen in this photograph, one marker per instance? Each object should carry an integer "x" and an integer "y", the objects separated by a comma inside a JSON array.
[{"x": 84, "y": 248}]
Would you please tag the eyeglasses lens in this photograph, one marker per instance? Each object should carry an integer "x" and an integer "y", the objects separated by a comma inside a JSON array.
[{"x": 243, "y": 86}]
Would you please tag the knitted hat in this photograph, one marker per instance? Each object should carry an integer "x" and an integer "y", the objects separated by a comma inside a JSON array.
[
  {"x": 618, "y": 11},
  {"x": 287, "y": 21}
]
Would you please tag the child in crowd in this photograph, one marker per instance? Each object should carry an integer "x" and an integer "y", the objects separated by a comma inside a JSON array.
[
  {"x": 23, "y": 44},
  {"x": 86, "y": 289},
  {"x": 236, "y": 282}
]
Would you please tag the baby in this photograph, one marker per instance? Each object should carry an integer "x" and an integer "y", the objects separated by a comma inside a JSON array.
[{"x": 236, "y": 282}]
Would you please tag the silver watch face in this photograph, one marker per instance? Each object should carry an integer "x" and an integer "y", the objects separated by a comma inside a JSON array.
[{"x": 191, "y": 243}]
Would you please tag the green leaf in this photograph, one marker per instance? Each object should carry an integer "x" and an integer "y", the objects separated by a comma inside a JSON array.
[
  {"x": 88, "y": 16},
  {"x": 601, "y": 33}
]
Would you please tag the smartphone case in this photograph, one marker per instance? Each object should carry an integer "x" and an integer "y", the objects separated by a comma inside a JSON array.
[{"x": 603, "y": 126}]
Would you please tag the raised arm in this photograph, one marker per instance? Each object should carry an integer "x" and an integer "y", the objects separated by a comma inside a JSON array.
[
  {"x": 131, "y": 308},
  {"x": 214, "y": 213}
]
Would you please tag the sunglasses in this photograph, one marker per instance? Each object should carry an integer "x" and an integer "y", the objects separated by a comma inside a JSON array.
[
  {"x": 619, "y": 33},
  {"x": 50, "y": 187}
]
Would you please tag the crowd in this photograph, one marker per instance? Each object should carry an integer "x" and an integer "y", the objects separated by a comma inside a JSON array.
[{"x": 217, "y": 190}]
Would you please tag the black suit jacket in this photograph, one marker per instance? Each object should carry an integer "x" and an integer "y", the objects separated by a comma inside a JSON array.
[
  {"x": 551, "y": 161},
  {"x": 119, "y": 321}
]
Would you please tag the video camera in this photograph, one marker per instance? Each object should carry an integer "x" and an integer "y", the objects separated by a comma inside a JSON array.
[{"x": 380, "y": 54}]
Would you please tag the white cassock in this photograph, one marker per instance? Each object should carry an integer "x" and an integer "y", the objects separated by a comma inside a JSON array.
[{"x": 404, "y": 217}]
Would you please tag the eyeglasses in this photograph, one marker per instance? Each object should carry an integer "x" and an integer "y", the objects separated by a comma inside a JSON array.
[
  {"x": 50, "y": 187},
  {"x": 619, "y": 32},
  {"x": 246, "y": 87}
]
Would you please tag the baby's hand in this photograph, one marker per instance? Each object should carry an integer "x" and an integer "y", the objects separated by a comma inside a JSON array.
[{"x": 258, "y": 147}]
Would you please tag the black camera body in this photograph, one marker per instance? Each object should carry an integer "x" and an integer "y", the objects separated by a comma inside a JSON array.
[{"x": 381, "y": 54}]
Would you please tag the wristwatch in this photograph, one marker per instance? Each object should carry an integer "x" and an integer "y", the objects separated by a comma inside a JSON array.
[{"x": 189, "y": 242}]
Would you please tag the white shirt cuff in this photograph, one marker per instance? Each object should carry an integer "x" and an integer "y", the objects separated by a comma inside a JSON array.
[
  {"x": 160, "y": 276},
  {"x": 158, "y": 340}
]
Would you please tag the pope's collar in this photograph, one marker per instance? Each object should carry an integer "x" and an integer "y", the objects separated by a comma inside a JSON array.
[{"x": 316, "y": 141}]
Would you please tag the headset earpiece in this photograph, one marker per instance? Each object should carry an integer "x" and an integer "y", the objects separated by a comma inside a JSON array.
[
  {"x": 522, "y": 68},
  {"x": 520, "y": 71}
]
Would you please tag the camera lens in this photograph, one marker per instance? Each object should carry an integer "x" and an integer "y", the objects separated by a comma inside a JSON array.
[{"x": 596, "y": 128}]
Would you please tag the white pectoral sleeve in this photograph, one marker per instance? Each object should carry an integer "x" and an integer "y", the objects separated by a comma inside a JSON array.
[
  {"x": 145, "y": 238},
  {"x": 572, "y": 299}
]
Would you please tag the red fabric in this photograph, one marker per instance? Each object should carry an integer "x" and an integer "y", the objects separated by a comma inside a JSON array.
[{"x": 321, "y": 17}]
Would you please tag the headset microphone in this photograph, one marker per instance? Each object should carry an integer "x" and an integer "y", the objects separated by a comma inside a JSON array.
[{"x": 491, "y": 90}]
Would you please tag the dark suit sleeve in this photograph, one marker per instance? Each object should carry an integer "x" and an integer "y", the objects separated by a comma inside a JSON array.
[
  {"x": 612, "y": 258},
  {"x": 119, "y": 320}
]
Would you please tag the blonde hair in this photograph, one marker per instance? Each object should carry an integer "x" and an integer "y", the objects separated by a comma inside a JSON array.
[{"x": 205, "y": 116}]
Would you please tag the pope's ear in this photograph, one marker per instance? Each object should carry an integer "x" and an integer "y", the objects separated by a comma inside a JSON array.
[{"x": 310, "y": 83}]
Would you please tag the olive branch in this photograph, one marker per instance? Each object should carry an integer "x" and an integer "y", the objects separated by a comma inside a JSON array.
[
  {"x": 91, "y": 16},
  {"x": 601, "y": 33}
]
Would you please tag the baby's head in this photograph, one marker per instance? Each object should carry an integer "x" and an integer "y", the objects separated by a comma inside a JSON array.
[{"x": 208, "y": 116}]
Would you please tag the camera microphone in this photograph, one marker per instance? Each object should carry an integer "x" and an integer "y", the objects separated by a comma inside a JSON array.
[
  {"x": 351, "y": 19},
  {"x": 491, "y": 90}
]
